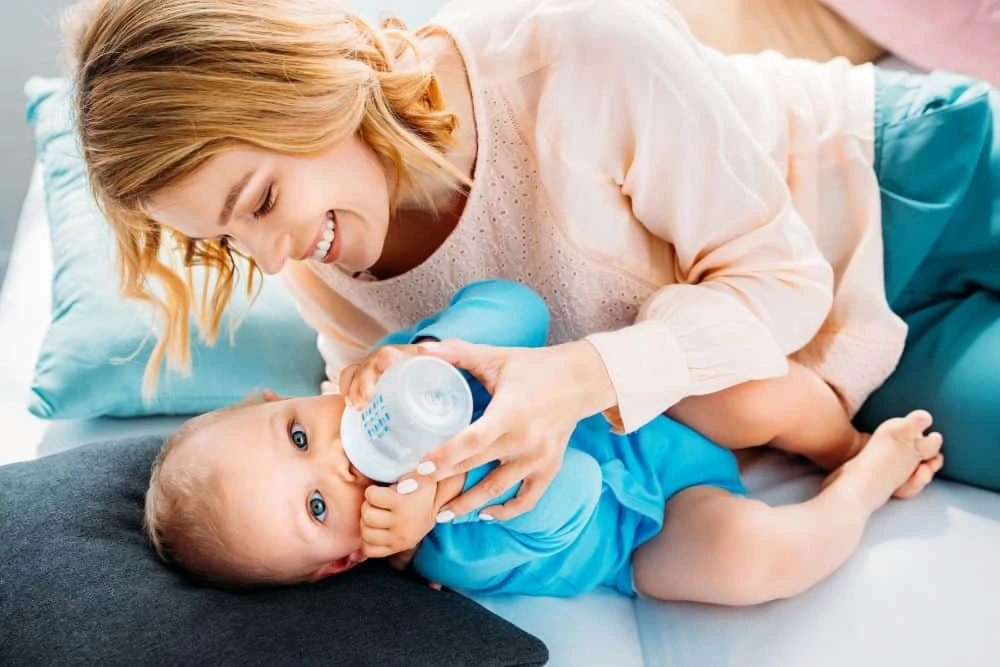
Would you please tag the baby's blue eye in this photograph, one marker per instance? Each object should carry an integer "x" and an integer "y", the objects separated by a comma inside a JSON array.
[
  {"x": 297, "y": 435},
  {"x": 317, "y": 506}
]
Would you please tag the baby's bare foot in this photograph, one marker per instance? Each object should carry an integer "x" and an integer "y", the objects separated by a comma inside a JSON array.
[
  {"x": 898, "y": 460},
  {"x": 920, "y": 478}
]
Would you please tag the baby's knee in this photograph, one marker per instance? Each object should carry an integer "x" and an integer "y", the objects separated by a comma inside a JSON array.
[
  {"x": 742, "y": 416},
  {"x": 751, "y": 566}
]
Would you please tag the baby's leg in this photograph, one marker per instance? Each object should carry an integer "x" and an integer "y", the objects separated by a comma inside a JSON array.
[
  {"x": 722, "y": 549},
  {"x": 798, "y": 413}
]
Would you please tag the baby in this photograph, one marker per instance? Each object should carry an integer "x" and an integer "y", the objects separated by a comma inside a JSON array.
[{"x": 263, "y": 493}]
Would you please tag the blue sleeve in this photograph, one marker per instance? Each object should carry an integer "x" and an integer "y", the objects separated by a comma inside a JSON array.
[
  {"x": 475, "y": 555},
  {"x": 491, "y": 312}
]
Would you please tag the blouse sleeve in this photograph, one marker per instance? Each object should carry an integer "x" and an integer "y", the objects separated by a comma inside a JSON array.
[{"x": 752, "y": 286}]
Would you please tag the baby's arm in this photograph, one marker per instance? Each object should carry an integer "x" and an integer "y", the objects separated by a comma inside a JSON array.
[
  {"x": 478, "y": 555},
  {"x": 799, "y": 413},
  {"x": 494, "y": 312},
  {"x": 490, "y": 312}
]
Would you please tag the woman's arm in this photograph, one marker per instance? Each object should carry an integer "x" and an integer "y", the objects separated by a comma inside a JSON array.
[
  {"x": 631, "y": 101},
  {"x": 752, "y": 286}
]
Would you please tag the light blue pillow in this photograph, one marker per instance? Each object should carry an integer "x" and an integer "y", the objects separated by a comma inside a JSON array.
[{"x": 79, "y": 372}]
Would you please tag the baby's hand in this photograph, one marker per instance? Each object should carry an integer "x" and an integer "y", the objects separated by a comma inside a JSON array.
[
  {"x": 357, "y": 381},
  {"x": 392, "y": 522}
]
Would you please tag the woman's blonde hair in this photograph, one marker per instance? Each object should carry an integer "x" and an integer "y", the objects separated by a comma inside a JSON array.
[{"x": 161, "y": 86}]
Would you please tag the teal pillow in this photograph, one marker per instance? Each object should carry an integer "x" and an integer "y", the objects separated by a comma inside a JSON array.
[{"x": 94, "y": 354}]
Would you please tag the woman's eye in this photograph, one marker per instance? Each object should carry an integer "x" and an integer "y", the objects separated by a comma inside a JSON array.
[
  {"x": 267, "y": 205},
  {"x": 317, "y": 506},
  {"x": 297, "y": 435}
]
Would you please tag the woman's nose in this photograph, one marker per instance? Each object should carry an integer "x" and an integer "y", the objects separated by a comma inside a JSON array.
[{"x": 271, "y": 253}]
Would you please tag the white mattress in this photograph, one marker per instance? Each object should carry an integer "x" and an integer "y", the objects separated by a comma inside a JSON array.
[{"x": 919, "y": 591}]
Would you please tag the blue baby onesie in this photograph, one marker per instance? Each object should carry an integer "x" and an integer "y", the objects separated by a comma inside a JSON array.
[{"x": 606, "y": 500}]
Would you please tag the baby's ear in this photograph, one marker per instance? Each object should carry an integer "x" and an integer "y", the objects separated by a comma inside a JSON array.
[
  {"x": 260, "y": 396},
  {"x": 332, "y": 568}
]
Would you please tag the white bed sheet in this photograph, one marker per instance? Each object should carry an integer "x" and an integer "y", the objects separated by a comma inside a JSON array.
[{"x": 919, "y": 591}]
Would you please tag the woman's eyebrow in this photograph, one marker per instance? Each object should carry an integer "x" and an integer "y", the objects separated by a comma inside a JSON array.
[{"x": 233, "y": 197}]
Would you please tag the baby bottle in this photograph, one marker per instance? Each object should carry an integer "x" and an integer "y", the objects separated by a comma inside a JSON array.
[{"x": 419, "y": 403}]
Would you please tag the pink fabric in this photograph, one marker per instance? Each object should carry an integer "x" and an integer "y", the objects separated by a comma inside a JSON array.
[{"x": 958, "y": 35}]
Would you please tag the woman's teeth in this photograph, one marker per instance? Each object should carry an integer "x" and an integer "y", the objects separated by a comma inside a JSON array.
[{"x": 329, "y": 233}]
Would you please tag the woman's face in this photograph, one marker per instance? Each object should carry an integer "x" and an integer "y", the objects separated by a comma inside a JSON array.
[{"x": 331, "y": 206}]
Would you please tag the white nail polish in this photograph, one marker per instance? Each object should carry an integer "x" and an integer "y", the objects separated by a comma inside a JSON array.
[
  {"x": 426, "y": 468},
  {"x": 446, "y": 516},
  {"x": 406, "y": 486},
  {"x": 483, "y": 516}
]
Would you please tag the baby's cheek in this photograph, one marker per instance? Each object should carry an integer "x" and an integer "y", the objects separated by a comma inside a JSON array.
[
  {"x": 349, "y": 532},
  {"x": 354, "y": 534}
]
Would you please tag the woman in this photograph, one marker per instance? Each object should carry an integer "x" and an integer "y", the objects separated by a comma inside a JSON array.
[{"x": 692, "y": 219}]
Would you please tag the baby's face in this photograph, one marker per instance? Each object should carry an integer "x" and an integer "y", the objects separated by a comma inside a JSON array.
[{"x": 291, "y": 500}]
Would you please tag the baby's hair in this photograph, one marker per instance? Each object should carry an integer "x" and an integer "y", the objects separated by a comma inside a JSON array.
[
  {"x": 182, "y": 516},
  {"x": 162, "y": 86}
]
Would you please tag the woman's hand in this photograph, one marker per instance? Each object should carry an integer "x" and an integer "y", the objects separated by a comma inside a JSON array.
[{"x": 539, "y": 395}]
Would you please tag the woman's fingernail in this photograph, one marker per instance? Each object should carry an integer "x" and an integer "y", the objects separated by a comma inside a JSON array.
[
  {"x": 446, "y": 516},
  {"x": 407, "y": 486},
  {"x": 429, "y": 345},
  {"x": 483, "y": 516},
  {"x": 426, "y": 468}
]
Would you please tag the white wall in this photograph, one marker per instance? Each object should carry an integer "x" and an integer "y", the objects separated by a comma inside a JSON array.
[{"x": 29, "y": 44}]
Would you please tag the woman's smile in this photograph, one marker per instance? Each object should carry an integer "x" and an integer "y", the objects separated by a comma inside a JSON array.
[{"x": 325, "y": 247}]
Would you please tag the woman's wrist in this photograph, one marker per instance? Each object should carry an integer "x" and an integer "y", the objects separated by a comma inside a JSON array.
[{"x": 588, "y": 378}]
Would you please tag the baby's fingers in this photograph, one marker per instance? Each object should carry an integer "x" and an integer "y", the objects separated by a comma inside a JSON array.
[
  {"x": 347, "y": 376},
  {"x": 378, "y": 543},
  {"x": 376, "y": 517},
  {"x": 362, "y": 386},
  {"x": 384, "y": 497}
]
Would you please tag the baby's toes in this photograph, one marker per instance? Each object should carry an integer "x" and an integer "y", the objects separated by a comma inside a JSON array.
[
  {"x": 920, "y": 478},
  {"x": 917, "y": 482},
  {"x": 914, "y": 424},
  {"x": 929, "y": 447}
]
